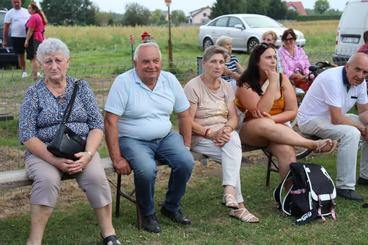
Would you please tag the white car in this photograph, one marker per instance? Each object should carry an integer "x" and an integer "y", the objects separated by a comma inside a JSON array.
[{"x": 245, "y": 29}]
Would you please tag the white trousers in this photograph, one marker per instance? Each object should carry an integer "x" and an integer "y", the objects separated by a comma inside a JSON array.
[
  {"x": 230, "y": 156},
  {"x": 347, "y": 151}
]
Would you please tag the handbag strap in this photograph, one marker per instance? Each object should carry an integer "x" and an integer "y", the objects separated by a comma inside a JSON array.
[{"x": 68, "y": 109}]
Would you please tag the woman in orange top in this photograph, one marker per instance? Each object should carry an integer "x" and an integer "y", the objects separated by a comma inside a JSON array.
[{"x": 269, "y": 101}]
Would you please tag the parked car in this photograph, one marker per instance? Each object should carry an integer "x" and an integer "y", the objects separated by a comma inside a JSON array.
[
  {"x": 245, "y": 29},
  {"x": 7, "y": 55},
  {"x": 349, "y": 36}
]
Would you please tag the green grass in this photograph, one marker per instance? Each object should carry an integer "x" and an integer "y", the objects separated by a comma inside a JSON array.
[{"x": 211, "y": 224}]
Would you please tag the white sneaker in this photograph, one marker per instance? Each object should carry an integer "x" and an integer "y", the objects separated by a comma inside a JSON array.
[{"x": 24, "y": 74}]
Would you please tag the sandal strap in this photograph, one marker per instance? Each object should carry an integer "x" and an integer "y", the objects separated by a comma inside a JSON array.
[
  {"x": 244, "y": 216},
  {"x": 111, "y": 240}
]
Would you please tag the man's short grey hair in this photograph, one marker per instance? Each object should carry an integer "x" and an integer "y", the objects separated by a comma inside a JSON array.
[
  {"x": 52, "y": 46},
  {"x": 137, "y": 49},
  {"x": 221, "y": 41},
  {"x": 212, "y": 50}
]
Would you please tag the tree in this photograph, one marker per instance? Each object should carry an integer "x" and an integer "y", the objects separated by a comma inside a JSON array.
[
  {"x": 178, "y": 17},
  {"x": 69, "y": 12},
  {"x": 321, "y": 6},
  {"x": 158, "y": 17},
  {"x": 136, "y": 14},
  {"x": 7, "y": 4},
  {"x": 277, "y": 9},
  {"x": 221, "y": 7}
]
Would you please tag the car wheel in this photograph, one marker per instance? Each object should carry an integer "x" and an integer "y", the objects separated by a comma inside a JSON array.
[
  {"x": 251, "y": 44},
  {"x": 207, "y": 42}
]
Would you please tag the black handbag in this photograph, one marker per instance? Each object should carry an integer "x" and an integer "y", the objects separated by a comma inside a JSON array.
[{"x": 66, "y": 143}]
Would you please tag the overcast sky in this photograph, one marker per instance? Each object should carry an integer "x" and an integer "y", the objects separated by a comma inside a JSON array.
[{"x": 118, "y": 6}]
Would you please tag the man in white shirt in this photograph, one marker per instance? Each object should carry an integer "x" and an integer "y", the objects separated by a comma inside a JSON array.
[
  {"x": 15, "y": 21},
  {"x": 324, "y": 113}
]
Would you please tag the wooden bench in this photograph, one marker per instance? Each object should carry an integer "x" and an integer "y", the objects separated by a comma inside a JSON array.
[{"x": 18, "y": 178}]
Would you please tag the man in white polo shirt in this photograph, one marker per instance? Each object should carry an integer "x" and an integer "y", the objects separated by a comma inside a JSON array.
[
  {"x": 15, "y": 21},
  {"x": 139, "y": 132},
  {"x": 324, "y": 112}
]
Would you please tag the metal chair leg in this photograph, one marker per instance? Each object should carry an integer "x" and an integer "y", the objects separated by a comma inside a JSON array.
[{"x": 268, "y": 175}]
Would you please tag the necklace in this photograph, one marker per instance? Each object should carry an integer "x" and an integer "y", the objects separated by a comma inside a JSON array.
[
  {"x": 213, "y": 85},
  {"x": 58, "y": 90}
]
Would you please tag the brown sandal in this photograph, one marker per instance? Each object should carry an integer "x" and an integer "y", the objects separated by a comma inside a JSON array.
[{"x": 244, "y": 215}]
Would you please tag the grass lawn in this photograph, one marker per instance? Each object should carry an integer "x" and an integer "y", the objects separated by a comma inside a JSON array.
[{"x": 76, "y": 224}]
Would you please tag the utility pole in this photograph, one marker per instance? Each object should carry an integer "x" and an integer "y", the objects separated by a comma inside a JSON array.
[{"x": 168, "y": 2}]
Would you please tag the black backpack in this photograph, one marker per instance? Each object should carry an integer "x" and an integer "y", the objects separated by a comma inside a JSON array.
[{"x": 311, "y": 195}]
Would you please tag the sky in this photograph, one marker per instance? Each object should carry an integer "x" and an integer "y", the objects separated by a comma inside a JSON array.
[{"x": 118, "y": 6}]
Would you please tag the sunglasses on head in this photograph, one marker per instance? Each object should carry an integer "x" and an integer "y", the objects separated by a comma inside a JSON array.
[{"x": 267, "y": 45}]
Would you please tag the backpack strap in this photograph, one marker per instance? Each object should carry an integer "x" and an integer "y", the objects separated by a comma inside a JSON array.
[{"x": 277, "y": 194}]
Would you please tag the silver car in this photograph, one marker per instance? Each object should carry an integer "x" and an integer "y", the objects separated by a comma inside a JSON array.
[{"x": 245, "y": 29}]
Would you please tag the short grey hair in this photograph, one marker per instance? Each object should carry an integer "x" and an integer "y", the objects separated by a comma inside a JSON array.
[
  {"x": 223, "y": 39},
  {"x": 212, "y": 50},
  {"x": 138, "y": 48},
  {"x": 52, "y": 46}
]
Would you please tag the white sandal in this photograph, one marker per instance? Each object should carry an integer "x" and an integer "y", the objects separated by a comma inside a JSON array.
[
  {"x": 244, "y": 215},
  {"x": 230, "y": 201}
]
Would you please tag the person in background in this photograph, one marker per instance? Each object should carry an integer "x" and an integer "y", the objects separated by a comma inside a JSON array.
[
  {"x": 294, "y": 61},
  {"x": 139, "y": 132},
  {"x": 324, "y": 113},
  {"x": 14, "y": 23},
  {"x": 40, "y": 116},
  {"x": 35, "y": 35},
  {"x": 270, "y": 37},
  {"x": 214, "y": 119},
  {"x": 269, "y": 102},
  {"x": 232, "y": 69},
  {"x": 364, "y": 47}
]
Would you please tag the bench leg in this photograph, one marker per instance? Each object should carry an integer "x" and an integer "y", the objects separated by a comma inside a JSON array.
[
  {"x": 117, "y": 201},
  {"x": 139, "y": 216}
]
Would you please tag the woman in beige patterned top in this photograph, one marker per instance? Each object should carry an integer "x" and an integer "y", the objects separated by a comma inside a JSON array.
[{"x": 214, "y": 119}]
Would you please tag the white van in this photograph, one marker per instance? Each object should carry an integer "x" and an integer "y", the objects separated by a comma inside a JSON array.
[{"x": 349, "y": 36}]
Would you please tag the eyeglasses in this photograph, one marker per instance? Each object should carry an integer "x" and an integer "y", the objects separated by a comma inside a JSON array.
[{"x": 290, "y": 39}]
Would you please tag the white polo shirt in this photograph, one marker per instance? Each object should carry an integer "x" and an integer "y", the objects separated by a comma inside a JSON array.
[
  {"x": 328, "y": 89},
  {"x": 145, "y": 113}
]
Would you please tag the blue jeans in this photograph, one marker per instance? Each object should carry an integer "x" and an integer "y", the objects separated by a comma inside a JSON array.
[{"x": 142, "y": 156}]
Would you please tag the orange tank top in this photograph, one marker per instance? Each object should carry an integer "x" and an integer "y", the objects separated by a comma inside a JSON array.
[{"x": 277, "y": 107}]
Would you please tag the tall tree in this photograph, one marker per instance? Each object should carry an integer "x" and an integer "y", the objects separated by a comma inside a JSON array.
[
  {"x": 221, "y": 7},
  {"x": 70, "y": 12},
  {"x": 158, "y": 17},
  {"x": 136, "y": 14},
  {"x": 277, "y": 9},
  {"x": 178, "y": 17},
  {"x": 321, "y": 6}
]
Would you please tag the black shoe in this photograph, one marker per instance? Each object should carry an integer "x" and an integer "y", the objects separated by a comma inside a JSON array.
[
  {"x": 349, "y": 194},
  {"x": 110, "y": 240},
  {"x": 362, "y": 181},
  {"x": 177, "y": 216},
  {"x": 150, "y": 223}
]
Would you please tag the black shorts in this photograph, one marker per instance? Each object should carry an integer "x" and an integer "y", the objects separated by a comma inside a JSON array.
[
  {"x": 32, "y": 49},
  {"x": 18, "y": 44}
]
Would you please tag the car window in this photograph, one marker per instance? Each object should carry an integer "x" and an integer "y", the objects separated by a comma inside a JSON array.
[
  {"x": 222, "y": 22},
  {"x": 234, "y": 21},
  {"x": 261, "y": 22}
]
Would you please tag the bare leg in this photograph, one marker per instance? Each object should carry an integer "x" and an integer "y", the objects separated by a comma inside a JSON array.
[
  {"x": 262, "y": 131},
  {"x": 285, "y": 154},
  {"x": 39, "y": 217},
  {"x": 34, "y": 68},
  {"x": 22, "y": 62},
  {"x": 104, "y": 218}
]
